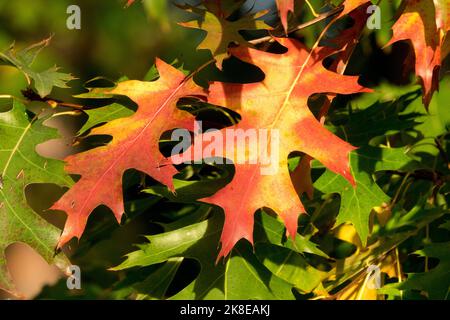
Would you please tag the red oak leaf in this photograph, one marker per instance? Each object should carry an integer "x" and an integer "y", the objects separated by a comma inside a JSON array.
[
  {"x": 342, "y": 48},
  {"x": 275, "y": 106},
  {"x": 425, "y": 24},
  {"x": 134, "y": 145},
  {"x": 284, "y": 7},
  {"x": 350, "y": 5}
]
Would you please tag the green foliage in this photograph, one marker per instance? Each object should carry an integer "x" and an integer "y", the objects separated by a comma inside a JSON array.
[
  {"x": 20, "y": 166},
  {"x": 42, "y": 81}
]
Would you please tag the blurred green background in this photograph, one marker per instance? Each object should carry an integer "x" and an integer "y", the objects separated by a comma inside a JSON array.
[{"x": 113, "y": 41}]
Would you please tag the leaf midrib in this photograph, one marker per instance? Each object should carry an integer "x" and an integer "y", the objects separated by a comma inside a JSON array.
[
  {"x": 119, "y": 157},
  {"x": 16, "y": 147}
]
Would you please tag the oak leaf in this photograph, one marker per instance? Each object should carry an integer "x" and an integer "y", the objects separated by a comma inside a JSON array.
[
  {"x": 435, "y": 282},
  {"x": 425, "y": 24},
  {"x": 42, "y": 81},
  {"x": 21, "y": 166},
  {"x": 284, "y": 7},
  {"x": 341, "y": 47},
  {"x": 134, "y": 145},
  {"x": 220, "y": 31},
  {"x": 276, "y": 104}
]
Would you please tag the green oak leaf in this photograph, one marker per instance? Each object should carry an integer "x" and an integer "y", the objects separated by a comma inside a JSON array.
[
  {"x": 188, "y": 191},
  {"x": 21, "y": 165},
  {"x": 43, "y": 81},
  {"x": 271, "y": 230},
  {"x": 156, "y": 284},
  {"x": 283, "y": 256},
  {"x": 112, "y": 111},
  {"x": 220, "y": 31},
  {"x": 435, "y": 282},
  {"x": 432, "y": 123},
  {"x": 289, "y": 266},
  {"x": 357, "y": 202},
  {"x": 105, "y": 114},
  {"x": 223, "y": 280}
]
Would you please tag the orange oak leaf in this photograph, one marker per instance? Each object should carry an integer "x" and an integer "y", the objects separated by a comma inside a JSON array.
[
  {"x": 442, "y": 15},
  {"x": 221, "y": 32},
  {"x": 425, "y": 24},
  {"x": 284, "y": 7},
  {"x": 134, "y": 145},
  {"x": 222, "y": 9},
  {"x": 341, "y": 47},
  {"x": 345, "y": 43},
  {"x": 277, "y": 108},
  {"x": 350, "y": 5}
]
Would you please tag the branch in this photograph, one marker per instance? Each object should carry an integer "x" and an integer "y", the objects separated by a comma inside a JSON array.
[
  {"x": 321, "y": 17},
  {"x": 436, "y": 177}
]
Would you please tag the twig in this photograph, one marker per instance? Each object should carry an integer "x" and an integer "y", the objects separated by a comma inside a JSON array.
[
  {"x": 314, "y": 13},
  {"x": 436, "y": 177},
  {"x": 320, "y": 17},
  {"x": 399, "y": 269},
  {"x": 30, "y": 95},
  {"x": 442, "y": 152}
]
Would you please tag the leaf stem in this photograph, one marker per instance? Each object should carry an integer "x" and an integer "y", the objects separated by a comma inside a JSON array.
[
  {"x": 394, "y": 200},
  {"x": 399, "y": 270},
  {"x": 319, "y": 18},
  {"x": 314, "y": 13},
  {"x": 200, "y": 68}
]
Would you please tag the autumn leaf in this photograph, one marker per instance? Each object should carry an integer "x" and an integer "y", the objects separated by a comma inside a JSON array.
[
  {"x": 284, "y": 7},
  {"x": 350, "y": 5},
  {"x": 20, "y": 166},
  {"x": 345, "y": 43},
  {"x": 364, "y": 125},
  {"x": 277, "y": 104},
  {"x": 425, "y": 24},
  {"x": 134, "y": 145},
  {"x": 285, "y": 258},
  {"x": 163, "y": 277},
  {"x": 220, "y": 31},
  {"x": 341, "y": 47},
  {"x": 288, "y": 122},
  {"x": 104, "y": 114}
]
